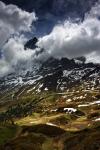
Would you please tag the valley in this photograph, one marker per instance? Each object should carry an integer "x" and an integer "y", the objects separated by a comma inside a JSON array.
[{"x": 53, "y": 117}]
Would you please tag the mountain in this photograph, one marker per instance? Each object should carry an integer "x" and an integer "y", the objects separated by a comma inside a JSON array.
[
  {"x": 55, "y": 74},
  {"x": 31, "y": 44},
  {"x": 58, "y": 75},
  {"x": 52, "y": 74},
  {"x": 53, "y": 104}
]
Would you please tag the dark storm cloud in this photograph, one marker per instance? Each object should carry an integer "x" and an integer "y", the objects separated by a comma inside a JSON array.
[
  {"x": 50, "y": 12},
  {"x": 73, "y": 40},
  {"x": 13, "y": 21},
  {"x": 66, "y": 39}
]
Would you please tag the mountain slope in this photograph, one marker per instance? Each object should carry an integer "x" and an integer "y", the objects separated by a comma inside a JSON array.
[
  {"x": 53, "y": 105},
  {"x": 54, "y": 77}
]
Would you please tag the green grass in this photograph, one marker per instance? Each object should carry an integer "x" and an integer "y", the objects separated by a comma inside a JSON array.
[
  {"x": 6, "y": 133},
  {"x": 44, "y": 137}
]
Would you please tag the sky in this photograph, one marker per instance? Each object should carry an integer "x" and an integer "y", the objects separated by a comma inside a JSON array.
[
  {"x": 67, "y": 38},
  {"x": 71, "y": 40},
  {"x": 14, "y": 22}
]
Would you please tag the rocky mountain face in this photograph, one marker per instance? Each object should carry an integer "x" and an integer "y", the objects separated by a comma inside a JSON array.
[
  {"x": 52, "y": 74},
  {"x": 51, "y": 106},
  {"x": 55, "y": 74},
  {"x": 31, "y": 44},
  {"x": 57, "y": 103}
]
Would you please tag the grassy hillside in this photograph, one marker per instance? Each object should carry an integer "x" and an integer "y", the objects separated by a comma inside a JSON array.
[{"x": 46, "y": 137}]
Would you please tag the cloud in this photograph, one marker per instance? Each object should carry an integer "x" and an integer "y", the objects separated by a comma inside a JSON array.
[
  {"x": 14, "y": 22},
  {"x": 75, "y": 39},
  {"x": 15, "y": 56},
  {"x": 93, "y": 57},
  {"x": 14, "y": 51},
  {"x": 67, "y": 39}
]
